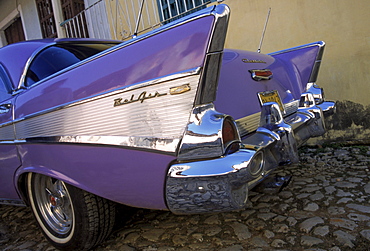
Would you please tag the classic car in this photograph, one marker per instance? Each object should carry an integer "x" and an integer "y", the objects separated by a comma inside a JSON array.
[{"x": 169, "y": 120}]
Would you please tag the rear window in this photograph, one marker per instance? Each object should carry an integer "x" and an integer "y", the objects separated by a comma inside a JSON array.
[{"x": 59, "y": 57}]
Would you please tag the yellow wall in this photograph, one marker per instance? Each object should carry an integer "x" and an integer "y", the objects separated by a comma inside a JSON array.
[
  {"x": 123, "y": 15},
  {"x": 343, "y": 24}
]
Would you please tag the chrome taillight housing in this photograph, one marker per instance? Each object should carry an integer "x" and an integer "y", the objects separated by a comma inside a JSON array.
[
  {"x": 209, "y": 134},
  {"x": 230, "y": 136}
]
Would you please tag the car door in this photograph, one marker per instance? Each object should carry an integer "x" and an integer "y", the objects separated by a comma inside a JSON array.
[{"x": 9, "y": 159}]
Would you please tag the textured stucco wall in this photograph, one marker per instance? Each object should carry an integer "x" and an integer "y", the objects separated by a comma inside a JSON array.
[{"x": 344, "y": 26}]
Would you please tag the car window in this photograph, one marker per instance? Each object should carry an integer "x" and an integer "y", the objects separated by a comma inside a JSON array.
[
  {"x": 4, "y": 85},
  {"x": 59, "y": 57}
]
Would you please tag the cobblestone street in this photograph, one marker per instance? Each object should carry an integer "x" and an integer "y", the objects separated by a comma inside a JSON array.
[{"x": 326, "y": 206}]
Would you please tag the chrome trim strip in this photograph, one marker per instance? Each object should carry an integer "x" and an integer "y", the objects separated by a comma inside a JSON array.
[
  {"x": 248, "y": 124},
  {"x": 139, "y": 143},
  {"x": 153, "y": 122},
  {"x": 318, "y": 43},
  {"x": 213, "y": 61},
  {"x": 7, "y": 132},
  {"x": 291, "y": 107}
]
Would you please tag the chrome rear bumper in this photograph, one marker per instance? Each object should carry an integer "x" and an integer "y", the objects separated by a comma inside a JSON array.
[{"x": 222, "y": 184}]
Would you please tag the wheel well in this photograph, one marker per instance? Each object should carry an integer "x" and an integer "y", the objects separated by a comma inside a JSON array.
[{"x": 22, "y": 188}]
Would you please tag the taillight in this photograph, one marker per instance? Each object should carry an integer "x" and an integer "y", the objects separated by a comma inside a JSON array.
[{"x": 230, "y": 137}]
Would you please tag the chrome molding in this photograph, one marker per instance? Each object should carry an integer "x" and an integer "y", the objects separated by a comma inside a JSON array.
[
  {"x": 144, "y": 120},
  {"x": 316, "y": 67},
  {"x": 248, "y": 124},
  {"x": 211, "y": 69},
  {"x": 319, "y": 43},
  {"x": 7, "y": 133}
]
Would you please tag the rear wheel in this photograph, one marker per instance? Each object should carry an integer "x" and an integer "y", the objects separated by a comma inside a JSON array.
[{"x": 70, "y": 218}]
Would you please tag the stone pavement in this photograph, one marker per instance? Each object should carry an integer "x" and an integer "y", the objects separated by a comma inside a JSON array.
[{"x": 326, "y": 206}]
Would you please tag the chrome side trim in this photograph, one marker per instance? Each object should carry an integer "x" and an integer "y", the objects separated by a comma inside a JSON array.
[
  {"x": 150, "y": 121},
  {"x": 172, "y": 77},
  {"x": 248, "y": 124},
  {"x": 7, "y": 132},
  {"x": 163, "y": 145},
  {"x": 318, "y": 43}
]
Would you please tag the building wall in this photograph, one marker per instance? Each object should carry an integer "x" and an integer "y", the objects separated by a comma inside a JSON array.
[
  {"x": 25, "y": 9},
  {"x": 342, "y": 24}
]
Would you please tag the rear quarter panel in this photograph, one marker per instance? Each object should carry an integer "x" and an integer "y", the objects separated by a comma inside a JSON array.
[
  {"x": 237, "y": 91},
  {"x": 117, "y": 171}
]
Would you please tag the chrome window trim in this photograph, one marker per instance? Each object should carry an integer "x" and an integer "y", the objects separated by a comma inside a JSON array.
[{"x": 22, "y": 84}]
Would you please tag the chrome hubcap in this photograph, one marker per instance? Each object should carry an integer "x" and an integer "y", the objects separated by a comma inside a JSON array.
[{"x": 54, "y": 203}]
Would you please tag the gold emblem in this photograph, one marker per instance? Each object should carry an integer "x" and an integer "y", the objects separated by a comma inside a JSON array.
[{"x": 180, "y": 89}]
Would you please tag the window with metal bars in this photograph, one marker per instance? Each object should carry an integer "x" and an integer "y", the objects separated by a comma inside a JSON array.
[
  {"x": 47, "y": 20},
  {"x": 74, "y": 9},
  {"x": 170, "y": 10}
]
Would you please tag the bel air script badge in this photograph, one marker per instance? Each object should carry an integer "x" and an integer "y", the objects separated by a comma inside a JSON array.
[{"x": 145, "y": 95}]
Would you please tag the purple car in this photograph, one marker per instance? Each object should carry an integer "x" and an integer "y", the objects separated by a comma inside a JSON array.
[{"x": 169, "y": 120}]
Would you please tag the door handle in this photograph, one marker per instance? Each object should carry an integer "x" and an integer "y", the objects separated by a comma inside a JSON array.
[{"x": 4, "y": 108}]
